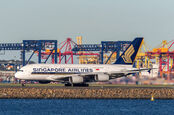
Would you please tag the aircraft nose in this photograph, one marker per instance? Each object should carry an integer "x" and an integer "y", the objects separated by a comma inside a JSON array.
[{"x": 18, "y": 75}]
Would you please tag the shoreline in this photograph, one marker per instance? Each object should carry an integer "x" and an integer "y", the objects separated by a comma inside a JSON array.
[{"x": 85, "y": 93}]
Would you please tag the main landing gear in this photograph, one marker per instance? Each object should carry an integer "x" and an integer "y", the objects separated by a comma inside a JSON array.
[{"x": 77, "y": 85}]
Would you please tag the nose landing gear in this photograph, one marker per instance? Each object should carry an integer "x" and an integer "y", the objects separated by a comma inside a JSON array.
[{"x": 23, "y": 83}]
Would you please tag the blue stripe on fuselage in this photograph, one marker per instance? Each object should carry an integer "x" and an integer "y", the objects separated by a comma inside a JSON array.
[{"x": 61, "y": 73}]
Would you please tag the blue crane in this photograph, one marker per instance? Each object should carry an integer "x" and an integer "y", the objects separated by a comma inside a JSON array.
[{"x": 34, "y": 45}]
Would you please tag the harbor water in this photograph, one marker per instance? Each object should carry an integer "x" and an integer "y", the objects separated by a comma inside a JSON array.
[{"x": 85, "y": 107}]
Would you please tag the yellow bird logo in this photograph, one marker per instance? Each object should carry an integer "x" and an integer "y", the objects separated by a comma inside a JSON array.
[{"x": 127, "y": 55}]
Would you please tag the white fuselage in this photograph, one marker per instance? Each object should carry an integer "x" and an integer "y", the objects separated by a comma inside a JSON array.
[{"x": 51, "y": 71}]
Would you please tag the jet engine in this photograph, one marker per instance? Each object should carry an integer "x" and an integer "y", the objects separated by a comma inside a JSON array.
[
  {"x": 102, "y": 77},
  {"x": 76, "y": 79}
]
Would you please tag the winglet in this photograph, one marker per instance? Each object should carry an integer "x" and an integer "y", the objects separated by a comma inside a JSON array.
[{"x": 129, "y": 55}]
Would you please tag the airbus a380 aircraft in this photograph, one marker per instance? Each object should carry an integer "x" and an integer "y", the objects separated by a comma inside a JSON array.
[{"x": 75, "y": 74}]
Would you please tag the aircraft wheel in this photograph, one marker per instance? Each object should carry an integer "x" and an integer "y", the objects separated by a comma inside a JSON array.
[
  {"x": 81, "y": 85},
  {"x": 77, "y": 85},
  {"x": 68, "y": 84},
  {"x": 23, "y": 83}
]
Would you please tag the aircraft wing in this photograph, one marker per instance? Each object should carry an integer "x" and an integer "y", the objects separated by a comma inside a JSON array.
[
  {"x": 58, "y": 78},
  {"x": 114, "y": 74},
  {"x": 66, "y": 77},
  {"x": 128, "y": 72}
]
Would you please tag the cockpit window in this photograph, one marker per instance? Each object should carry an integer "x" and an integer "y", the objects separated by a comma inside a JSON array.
[{"x": 21, "y": 70}]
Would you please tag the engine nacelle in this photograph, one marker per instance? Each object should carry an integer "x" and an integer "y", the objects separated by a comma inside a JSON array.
[
  {"x": 102, "y": 77},
  {"x": 76, "y": 79}
]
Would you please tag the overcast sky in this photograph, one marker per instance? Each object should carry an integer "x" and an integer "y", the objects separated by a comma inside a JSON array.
[{"x": 95, "y": 20}]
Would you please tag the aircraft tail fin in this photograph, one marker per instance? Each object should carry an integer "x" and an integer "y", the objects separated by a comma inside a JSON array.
[{"x": 129, "y": 55}]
